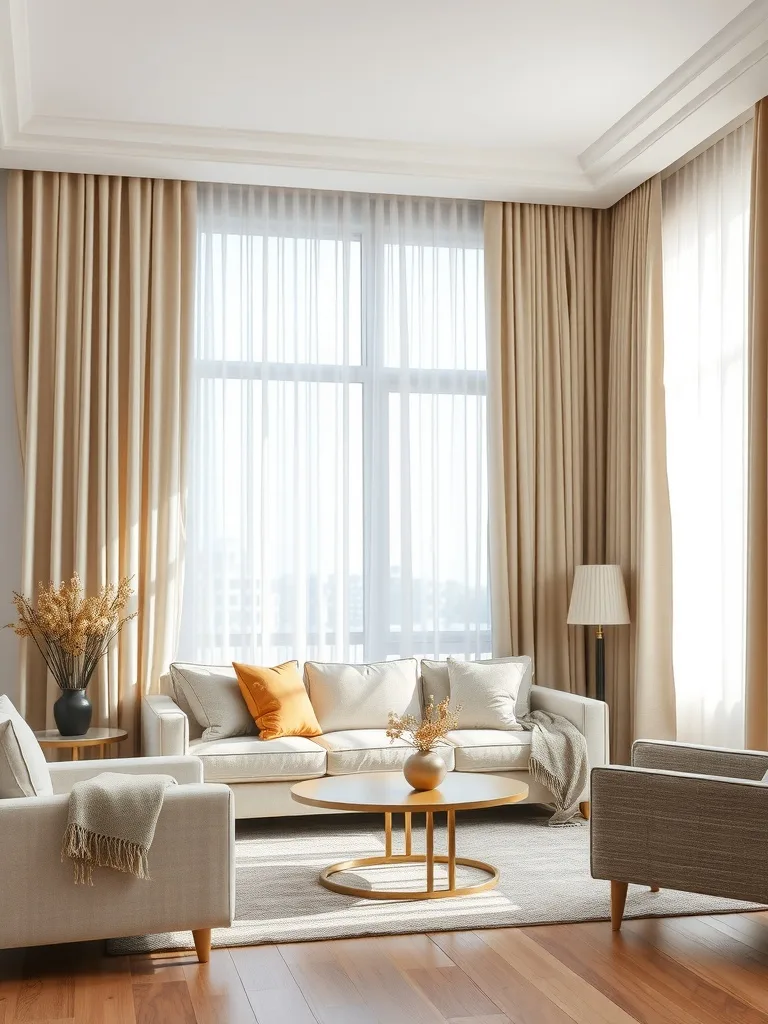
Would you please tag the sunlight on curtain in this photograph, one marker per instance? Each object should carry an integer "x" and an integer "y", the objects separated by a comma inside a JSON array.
[
  {"x": 338, "y": 495},
  {"x": 706, "y": 241}
]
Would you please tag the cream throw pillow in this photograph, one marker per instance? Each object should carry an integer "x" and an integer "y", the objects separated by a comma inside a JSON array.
[
  {"x": 487, "y": 693},
  {"x": 361, "y": 696},
  {"x": 23, "y": 768},
  {"x": 435, "y": 681},
  {"x": 213, "y": 694}
]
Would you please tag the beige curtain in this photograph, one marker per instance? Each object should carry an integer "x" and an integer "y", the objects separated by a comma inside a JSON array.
[
  {"x": 102, "y": 289},
  {"x": 757, "y": 484},
  {"x": 547, "y": 281},
  {"x": 639, "y": 680},
  {"x": 577, "y": 460}
]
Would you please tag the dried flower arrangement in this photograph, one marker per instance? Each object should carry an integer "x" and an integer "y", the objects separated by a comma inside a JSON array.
[
  {"x": 72, "y": 631},
  {"x": 427, "y": 734}
]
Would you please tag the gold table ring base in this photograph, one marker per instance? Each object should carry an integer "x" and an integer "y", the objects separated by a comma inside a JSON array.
[{"x": 415, "y": 894}]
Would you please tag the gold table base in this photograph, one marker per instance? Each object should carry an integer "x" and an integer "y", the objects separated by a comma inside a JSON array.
[{"x": 430, "y": 858}]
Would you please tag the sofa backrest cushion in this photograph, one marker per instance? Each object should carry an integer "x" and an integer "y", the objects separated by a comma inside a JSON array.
[
  {"x": 212, "y": 694},
  {"x": 23, "y": 768},
  {"x": 435, "y": 681},
  {"x": 361, "y": 696}
]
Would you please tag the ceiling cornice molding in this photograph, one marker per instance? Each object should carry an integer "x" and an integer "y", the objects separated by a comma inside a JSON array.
[
  {"x": 731, "y": 45},
  {"x": 717, "y": 83}
]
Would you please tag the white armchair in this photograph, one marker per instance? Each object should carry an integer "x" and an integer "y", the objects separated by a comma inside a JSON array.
[{"x": 191, "y": 863}]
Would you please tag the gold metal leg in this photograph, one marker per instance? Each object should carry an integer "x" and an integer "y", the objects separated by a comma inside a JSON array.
[
  {"x": 430, "y": 829},
  {"x": 451, "y": 849},
  {"x": 388, "y": 833},
  {"x": 407, "y": 833}
]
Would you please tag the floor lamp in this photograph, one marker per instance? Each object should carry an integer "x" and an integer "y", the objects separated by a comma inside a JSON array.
[{"x": 598, "y": 599}]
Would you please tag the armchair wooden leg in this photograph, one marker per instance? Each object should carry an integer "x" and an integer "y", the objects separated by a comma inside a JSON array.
[
  {"x": 584, "y": 808},
  {"x": 202, "y": 937},
  {"x": 618, "y": 899},
  {"x": 654, "y": 888}
]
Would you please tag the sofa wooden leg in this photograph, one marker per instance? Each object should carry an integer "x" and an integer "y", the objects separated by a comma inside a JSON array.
[
  {"x": 202, "y": 937},
  {"x": 618, "y": 899},
  {"x": 584, "y": 808},
  {"x": 654, "y": 888}
]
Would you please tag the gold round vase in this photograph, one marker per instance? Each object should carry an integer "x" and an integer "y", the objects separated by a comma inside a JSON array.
[{"x": 424, "y": 770}]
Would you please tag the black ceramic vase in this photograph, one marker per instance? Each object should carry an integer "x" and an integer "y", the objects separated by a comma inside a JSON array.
[{"x": 73, "y": 712}]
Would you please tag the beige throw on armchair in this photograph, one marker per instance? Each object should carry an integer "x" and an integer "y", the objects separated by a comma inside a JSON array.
[{"x": 102, "y": 287}]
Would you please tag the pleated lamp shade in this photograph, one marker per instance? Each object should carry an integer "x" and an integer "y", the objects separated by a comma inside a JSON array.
[{"x": 598, "y": 597}]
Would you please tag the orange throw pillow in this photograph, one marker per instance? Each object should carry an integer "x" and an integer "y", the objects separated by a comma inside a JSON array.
[{"x": 278, "y": 700}]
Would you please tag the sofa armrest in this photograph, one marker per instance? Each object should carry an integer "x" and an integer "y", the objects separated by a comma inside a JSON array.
[
  {"x": 64, "y": 774},
  {"x": 698, "y": 760},
  {"x": 696, "y": 833},
  {"x": 589, "y": 716},
  {"x": 191, "y": 864},
  {"x": 164, "y": 726}
]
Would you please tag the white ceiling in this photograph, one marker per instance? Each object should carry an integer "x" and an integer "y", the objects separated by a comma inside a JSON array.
[{"x": 538, "y": 100}]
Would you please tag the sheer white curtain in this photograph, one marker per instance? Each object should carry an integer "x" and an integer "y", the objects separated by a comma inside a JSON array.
[
  {"x": 338, "y": 496},
  {"x": 706, "y": 242}
]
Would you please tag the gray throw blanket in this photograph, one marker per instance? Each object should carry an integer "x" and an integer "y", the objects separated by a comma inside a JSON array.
[
  {"x": 558, "y": 761},
  {"x": 111, "y": 823}
]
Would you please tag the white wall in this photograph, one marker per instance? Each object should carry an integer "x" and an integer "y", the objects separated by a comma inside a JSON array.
[{"x": 11, "y": 493}]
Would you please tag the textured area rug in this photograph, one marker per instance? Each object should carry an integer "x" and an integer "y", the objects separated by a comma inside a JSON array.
[{"x": 544, "y": 871}]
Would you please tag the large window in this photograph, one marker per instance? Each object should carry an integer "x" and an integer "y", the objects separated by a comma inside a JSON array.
[
  {"x": 338, "y": 496},
  {"x": 706, "y": 244}
]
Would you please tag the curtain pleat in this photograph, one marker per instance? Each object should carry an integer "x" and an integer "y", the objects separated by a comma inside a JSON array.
[
  {"x": 547, "y": 281},
  {"x": 577, "y": 470},
  {"x": 102, "y": 289},
  {"x": 639, "y": 677},
  {"x": 756, "y": 703}
]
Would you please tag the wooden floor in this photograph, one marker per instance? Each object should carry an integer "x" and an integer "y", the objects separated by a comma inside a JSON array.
[{"x": 674, "y": 971}]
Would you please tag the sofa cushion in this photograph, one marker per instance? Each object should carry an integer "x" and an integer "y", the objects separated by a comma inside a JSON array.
[
  {"x": 369, "y": 750},
  {"x": 213, "y": 695},
  {"x": 23, "y": 768},
  {"x": 252, "y": 759},
  {"x": 361, "y": 696},
  {"x": 490, "y": 750},
  {"x": 435, "y": 681}
]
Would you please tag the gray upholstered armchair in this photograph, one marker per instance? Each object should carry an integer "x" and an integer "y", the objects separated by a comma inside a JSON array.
[{"x": 682, "y": 817}]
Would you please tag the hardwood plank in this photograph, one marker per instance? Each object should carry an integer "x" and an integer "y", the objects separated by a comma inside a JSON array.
[
  {"x": 104, "y": 992},
  {"x": 163, "y": 1004},
  {"x": 272, "y": 991},
  {"x": 216, "y": 991},
  {"x": 570, "y": 992},
  {"x": 11, "y": 971},
  {"x": 496, "y": 1018},
  {"x": 158, "y": 967},
  {"x": 716, "y": 958},
  {"x": 452, "y": 992},
  {"x": 641, "y": 978},
  {"x": 329, "y": 991},
  {"x": 47, "y": 990},
  {"x": 514, "y": 994}
]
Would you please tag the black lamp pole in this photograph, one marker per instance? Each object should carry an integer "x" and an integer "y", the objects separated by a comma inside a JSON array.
[{"x": 600, "y": 662}]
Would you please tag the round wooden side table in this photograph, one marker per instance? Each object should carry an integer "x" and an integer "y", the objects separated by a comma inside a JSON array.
[{"x": 52, "y": 739}]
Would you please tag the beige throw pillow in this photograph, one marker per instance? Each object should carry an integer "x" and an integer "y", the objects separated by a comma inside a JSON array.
[
  {"x": 213, "y": 694},
  {"x": 361, "y": 696},
  {"x": 436, "y": 680},
  {"x": 23, "y": 768},
  {"x": 487, "y": 693}
]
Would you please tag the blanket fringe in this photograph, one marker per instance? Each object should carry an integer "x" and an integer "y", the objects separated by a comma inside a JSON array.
[
  {"x": 555, "y": 786},
  {"x": 88, "y": 850}
]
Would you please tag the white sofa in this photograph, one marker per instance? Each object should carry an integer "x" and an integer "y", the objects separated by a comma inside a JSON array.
[
  {"x": 191, "y": 861},
  {"x": 262, "y": 772}
]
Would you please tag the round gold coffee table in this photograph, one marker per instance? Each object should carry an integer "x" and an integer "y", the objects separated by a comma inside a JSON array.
[{"x": 389, "y": 793}]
